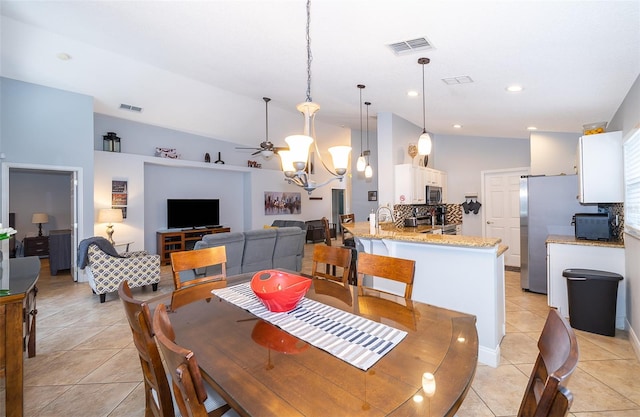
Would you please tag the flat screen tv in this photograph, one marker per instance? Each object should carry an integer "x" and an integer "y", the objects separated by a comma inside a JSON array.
[{"x": 184, "y": 213}]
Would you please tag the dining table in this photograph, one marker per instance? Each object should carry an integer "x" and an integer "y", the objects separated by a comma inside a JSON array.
[{"x": 260, "y": 369}]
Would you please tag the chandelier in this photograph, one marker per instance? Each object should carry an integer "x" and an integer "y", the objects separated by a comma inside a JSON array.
[{"x": 294, "y": 160}]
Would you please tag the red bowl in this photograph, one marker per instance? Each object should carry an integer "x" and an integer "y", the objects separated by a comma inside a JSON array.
[{"x": 279, "y": 291}]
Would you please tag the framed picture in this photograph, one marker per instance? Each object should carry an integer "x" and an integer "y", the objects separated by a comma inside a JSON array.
[
  {"x": 282, "y": 203},
  {"x": 373, "y": 196}
]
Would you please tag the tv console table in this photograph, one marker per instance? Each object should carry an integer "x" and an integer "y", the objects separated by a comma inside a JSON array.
[{"x": 179, "y": 240}]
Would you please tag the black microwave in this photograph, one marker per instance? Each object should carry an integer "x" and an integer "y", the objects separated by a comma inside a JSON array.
[
  {"x": 433, "y": 195},
  {"x": 592, "y": 226}
]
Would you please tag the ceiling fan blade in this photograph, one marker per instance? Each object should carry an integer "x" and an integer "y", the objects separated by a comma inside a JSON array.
[
  {"x": 256, "y": 152},
  {"x": 248, "y": 148}
]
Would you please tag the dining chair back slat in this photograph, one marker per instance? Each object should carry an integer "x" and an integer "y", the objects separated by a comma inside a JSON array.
[
  {"x": 195, "y": 263},
  {"x": 395, "y": 269},
  {"x": 557, "y": 359},
  {"x": 332, "y": 257},
  {"x": 158, "y": 401}
]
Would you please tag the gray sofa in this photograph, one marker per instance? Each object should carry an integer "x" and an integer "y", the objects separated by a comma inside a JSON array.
[
  {"x": 289, "y": 223},
  {"x": 255, "y": 250}
]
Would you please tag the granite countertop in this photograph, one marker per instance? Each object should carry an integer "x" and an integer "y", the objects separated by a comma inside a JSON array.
[
  {"x": 417, "y": 235},
  {"x": 571, "y": 240}
]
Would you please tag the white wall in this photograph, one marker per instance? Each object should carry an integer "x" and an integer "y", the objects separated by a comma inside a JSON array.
[
  {"x": 626, "y": 119},
  {"x": 553, "y": 153},
  {"x": 463, "y": 158},
  {"x": 360, "y": 205},
  {"x": 394, "y": 136},
  {"x": 48, "y": 127}
]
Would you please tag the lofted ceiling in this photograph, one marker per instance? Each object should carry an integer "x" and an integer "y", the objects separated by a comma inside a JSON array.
[{"x": 576, "y": 60}]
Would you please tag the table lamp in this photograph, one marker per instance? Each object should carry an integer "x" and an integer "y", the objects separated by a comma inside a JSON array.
[
  {"x": 110, "y": 216},
  {"x": 39, "y": 218}
]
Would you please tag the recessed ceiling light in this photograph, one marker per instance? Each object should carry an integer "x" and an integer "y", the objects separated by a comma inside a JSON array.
[
  {"x": 514, "y": 88},
  {"x": 532, "y": 128},
  {"x": 412, "y": 94},
  {"x": 63, "y": 56},
  {"x": 457, "y": 126}
]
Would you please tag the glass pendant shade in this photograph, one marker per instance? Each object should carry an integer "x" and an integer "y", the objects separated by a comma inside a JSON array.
[
  {"x": 424, "y": 143},
  {"x": 340, "y": 155},
  {"x": 368, "y": 172},
  {"x": 299, "y": 148},
  {"x": 361, "y": 164},
  {"x": 287, "y": 161}
]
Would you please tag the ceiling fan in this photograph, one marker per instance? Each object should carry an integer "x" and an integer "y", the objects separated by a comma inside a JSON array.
[{"x": 266, "y": 148}]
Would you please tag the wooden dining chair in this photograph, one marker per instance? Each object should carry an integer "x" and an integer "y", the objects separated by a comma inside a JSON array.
[
  {"x": 190, "y": 274},
  {"x": 191, "y": 394},
  {"x": 333, "y": 258},
  {"x": 347, "y": 237},
  {"x": 395, "y": 269},
  {"x": 158, "y": 401},
  {"x": 557, "y": 359},
  {"x": 327, "y": 231}
]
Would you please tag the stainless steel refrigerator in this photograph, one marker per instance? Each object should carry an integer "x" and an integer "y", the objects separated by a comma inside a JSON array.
[{"x": 547, "y": 206}]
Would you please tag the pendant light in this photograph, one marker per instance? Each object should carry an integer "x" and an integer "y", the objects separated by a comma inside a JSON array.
[
  {"x": 294, "y": 160},
  {"x": 368, "y": 171},
  {"x": 362, "y": 163},
  {"x": 424, "y": 142}
]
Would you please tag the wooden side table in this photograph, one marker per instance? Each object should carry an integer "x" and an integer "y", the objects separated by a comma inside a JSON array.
[{"x": 36, "y": 246}]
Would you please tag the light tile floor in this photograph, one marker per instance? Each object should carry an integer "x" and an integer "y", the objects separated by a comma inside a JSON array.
[{"x": 86, "y": 364}]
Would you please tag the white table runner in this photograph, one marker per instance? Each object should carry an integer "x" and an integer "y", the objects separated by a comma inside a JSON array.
[{"x": 356, "y": 340}]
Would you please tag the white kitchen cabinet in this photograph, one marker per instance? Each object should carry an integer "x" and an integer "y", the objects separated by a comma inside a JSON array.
[
  {"x": 432, "y": 177},
  {"x": 409, "y": 184},
  {"x": 600, "y": 170},
  {"x": 411, "y": 180},
  {"x": 565, "y": 256}
]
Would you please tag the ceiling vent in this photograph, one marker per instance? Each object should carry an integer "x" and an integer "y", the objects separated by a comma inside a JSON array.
[
  {"x": 412, "y": 45},
  {"x": 464, "y": 79},
  {"x": 130, "y": 107}
]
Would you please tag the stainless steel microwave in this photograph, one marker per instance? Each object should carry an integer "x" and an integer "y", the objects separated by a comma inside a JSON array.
[{"x": 433, "y": 195}]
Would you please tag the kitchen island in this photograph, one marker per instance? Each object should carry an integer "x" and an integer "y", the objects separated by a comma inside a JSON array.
[{"x": 462, "y": 273}]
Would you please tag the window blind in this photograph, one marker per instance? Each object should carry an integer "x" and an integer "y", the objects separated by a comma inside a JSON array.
[{"x": 632, "y": 184}]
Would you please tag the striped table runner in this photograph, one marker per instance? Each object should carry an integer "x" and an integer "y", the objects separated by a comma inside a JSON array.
[{"x": 353, "y": 339}]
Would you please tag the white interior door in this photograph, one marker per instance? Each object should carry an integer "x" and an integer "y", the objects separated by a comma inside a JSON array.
[{"x": 501, "y": 214}]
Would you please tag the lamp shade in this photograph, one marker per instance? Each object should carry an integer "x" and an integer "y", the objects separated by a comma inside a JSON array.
[
  {"x": 110, "y": 216},
  {"x": 287, "y": 161},
  {"x": 299, "y": 147},
  {"x": 361, "y": 163},
  {"x": 40, "y": 218},
  {"x": 340, "y": 155},
  {"x": 368, "y": 171},
  {"x": 424, "y": 143}
]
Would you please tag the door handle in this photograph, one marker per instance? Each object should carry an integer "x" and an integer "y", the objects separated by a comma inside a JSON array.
[{"x": 488, "y": 222}]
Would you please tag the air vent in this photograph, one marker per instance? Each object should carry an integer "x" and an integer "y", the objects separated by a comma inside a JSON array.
[
  {"x": 130, "y": 107},
  {"x": 412, "y": 45},
  {"x": 464, "y": 79}
]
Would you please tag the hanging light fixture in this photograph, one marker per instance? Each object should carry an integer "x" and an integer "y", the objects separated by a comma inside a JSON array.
[
  {"x": 424, "y": 142},
  {"x": 368, "y": 171},
  {"x": 362, "y": 163},
  {"x": 294, "y": 160}
]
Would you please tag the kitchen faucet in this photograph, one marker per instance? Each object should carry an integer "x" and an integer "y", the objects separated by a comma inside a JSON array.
[{"x": 378, "y": 215}]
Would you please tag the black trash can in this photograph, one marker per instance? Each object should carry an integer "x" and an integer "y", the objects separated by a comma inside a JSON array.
[{"x": 592, "y": 300}]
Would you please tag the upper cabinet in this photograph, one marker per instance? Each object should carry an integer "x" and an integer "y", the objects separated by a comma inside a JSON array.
[
  {"x": 411, "y": 182},
  {"x": 600, "y": 170},
  {"x": 432, "y": 177}
]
